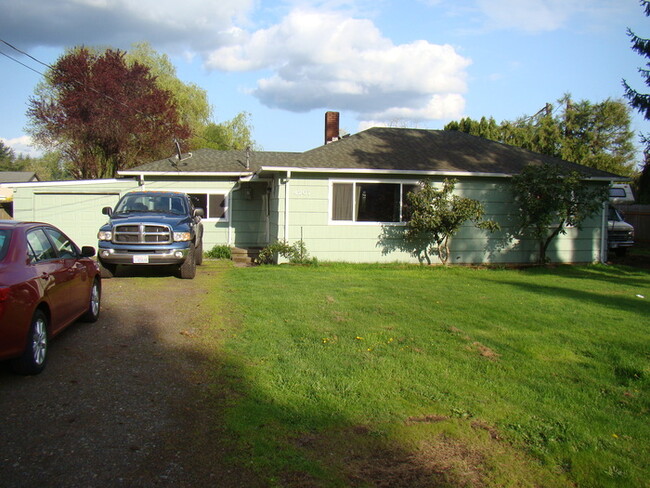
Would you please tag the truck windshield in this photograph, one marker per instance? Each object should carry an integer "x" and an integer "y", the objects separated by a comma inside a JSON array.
[
  {"x": 151, "y": 203},
  {"x": 614, "y": 215}
]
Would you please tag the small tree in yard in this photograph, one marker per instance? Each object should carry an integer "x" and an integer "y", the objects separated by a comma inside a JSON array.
[
  {"x": 437, "y": 214},
  {"x": 550, "y": 201}
]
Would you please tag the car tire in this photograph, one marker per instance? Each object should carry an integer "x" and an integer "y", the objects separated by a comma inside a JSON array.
[
  {"x": 33, "y": 359},
  {"x": 94, "y": 303},
  {"x": 199, "y": 254},
  {"x": 187, "y": 270}
]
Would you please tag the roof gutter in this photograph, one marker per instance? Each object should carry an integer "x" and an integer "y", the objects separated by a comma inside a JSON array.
[
  {"x": 401, "y": 172},
  {"x": 232, "y": 174}
]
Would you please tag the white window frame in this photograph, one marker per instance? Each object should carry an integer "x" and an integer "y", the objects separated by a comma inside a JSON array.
[
  {"x": 355, "y": 181},
  {"x": 226, "y": 206}
]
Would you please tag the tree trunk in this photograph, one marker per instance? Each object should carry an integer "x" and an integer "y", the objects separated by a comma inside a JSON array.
[{"x": 543, "y": 244}]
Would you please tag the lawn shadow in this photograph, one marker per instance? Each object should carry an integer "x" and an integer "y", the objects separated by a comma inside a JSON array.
[{"x": 125, "y": 400}]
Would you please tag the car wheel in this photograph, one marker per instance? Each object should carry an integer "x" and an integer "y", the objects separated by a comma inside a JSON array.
[
  {"x": 199, "y": 254},
  {"x": 107, "y": 270},
  {"x": 187, "y": 270},
  {"x": 33, "y": 358},
  {"x": 92, "y": 314}
]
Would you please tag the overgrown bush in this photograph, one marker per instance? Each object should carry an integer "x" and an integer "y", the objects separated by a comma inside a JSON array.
[
  {"x": 296, "y": 253},
  {"x": 221, "y": 251}
]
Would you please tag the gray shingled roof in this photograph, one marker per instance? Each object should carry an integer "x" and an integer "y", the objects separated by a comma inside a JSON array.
[
  {"x": 381, "y": 149},
  {"x": 17, "y": 176},
  {"x": 214, "y": 161}
]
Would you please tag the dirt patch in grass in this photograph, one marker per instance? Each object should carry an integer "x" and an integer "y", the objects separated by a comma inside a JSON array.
[
  {"x": 441, "y": 461},
  {"x": 475, "y": 346}
]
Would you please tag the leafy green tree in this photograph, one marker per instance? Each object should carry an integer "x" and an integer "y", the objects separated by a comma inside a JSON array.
[
  {"x": 641, "y": 102},
  {"x": 597, "y": 135},
  {"x": 231, "y": 135},
  {"x": 436, "y": 215},
  {"x": 104, "y": 115},
  {"x": 549, "y": 201},
  {"x": 49, "y": 167},
  {"x": 191, "y": 100}
]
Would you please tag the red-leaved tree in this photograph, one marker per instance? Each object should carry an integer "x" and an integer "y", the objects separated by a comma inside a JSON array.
[{"x": 103, "y": 115}]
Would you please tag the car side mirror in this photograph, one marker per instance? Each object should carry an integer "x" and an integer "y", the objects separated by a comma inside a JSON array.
[
  {"x": 87, "y": 251},
  {"x": 198, "y": 212},
  {"x": 107, "y": 211}
]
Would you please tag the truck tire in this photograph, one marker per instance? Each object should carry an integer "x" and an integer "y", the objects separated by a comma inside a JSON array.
[
  {"x": 187, "y": 270},
  {"x": 199, "y": 254}
]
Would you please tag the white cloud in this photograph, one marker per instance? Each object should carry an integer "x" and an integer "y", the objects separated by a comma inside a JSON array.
[
  {"x": 329, "y": 60},
  {"x": 22, "y": 145},
  {"x": 194, "y": 24},
  {"x": 534, "y": 16}
]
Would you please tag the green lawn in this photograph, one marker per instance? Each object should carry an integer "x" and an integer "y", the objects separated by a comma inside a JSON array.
[{"x": 369, "y": 375}]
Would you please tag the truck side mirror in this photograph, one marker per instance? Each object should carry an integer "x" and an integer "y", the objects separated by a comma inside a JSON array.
[
  {"x": 107, "y": 211},
  {"x": 198, "y": 212}
]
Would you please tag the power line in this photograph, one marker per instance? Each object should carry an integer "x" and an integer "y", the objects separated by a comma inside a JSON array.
[
  {"x": 25, "y": 54},
  {"x": 21, "y": 63}
]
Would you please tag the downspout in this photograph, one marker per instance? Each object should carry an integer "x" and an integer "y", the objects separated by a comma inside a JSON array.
[
  {"x": 231, "y": 203},
  {"x": 141, "y": 181},
  {"x": 286, "y": 207},
  {"x": 603, "y": 234}
]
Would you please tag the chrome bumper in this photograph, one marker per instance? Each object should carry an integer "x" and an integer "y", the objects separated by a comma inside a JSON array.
[{"x": 161, "y": 257}]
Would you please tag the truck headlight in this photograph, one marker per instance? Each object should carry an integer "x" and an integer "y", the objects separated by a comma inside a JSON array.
[
  {"x": 182, "y": 236},
  {"x": 104, "y": 235}
]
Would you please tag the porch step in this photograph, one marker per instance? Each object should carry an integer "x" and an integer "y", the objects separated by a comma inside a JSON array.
[{"x": 245, "y": 256}]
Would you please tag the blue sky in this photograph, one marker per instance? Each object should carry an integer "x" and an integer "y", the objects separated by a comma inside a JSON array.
[{"x": 409, "y": 63}]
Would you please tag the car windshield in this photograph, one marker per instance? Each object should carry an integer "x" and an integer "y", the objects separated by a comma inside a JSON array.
[
  {"x": 5, "y": 237},
  {"x": 151, "y": 203}
]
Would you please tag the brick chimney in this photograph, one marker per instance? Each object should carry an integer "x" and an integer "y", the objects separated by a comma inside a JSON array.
[{"x": 331, "y": 127}]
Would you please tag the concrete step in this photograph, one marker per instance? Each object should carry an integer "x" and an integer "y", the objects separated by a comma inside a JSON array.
[{"x": 245, "y": 256}]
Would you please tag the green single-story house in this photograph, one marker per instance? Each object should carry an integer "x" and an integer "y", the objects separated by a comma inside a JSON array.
[{"x": 343, "y": 199}]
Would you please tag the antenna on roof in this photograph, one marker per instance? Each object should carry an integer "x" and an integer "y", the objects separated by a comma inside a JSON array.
[{"x": 179, "y": 155}]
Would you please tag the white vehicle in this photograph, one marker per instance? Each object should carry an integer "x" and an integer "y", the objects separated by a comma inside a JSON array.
[{"x": 620, "y": 234}]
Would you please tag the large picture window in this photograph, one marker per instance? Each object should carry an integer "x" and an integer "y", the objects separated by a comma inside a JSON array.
[
  {"x": 370, "y": 202},
  {"x": 215, "y": 205}
]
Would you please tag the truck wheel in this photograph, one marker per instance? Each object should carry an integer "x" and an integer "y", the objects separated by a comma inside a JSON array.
[
  {"x": 187, "y": 270},
  {"x": 107, "y": 270},
  {"x": 199, "y": 254}
]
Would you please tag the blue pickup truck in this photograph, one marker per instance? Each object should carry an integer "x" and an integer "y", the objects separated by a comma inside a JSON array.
[{"x": 152, "y": 228}]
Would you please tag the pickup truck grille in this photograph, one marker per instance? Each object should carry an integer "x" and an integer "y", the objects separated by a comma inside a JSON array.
[{"x": 142, "y": 234}]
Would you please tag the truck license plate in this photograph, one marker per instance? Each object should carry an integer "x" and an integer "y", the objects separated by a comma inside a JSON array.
[{"x": 141, "y": 259}]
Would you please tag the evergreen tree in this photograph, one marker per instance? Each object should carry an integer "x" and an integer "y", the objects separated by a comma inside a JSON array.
[
  {"x": 6, "y": 158},
  {"x": 641, "y": 102}
]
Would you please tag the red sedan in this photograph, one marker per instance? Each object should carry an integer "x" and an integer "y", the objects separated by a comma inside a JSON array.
[{"x": 46, "y": 284}]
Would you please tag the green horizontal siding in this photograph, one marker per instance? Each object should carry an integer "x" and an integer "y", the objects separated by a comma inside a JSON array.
[{"x": 366, "y": 242}]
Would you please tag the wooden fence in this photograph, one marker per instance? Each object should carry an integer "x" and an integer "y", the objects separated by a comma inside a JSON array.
[{"x": 639, "y": 217}]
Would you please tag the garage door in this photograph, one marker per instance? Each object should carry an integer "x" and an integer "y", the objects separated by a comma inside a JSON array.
[{"x": 77, "y": 214}]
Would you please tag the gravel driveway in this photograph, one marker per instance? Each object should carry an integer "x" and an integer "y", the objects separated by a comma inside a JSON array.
[{"x": 124, "y": 401}]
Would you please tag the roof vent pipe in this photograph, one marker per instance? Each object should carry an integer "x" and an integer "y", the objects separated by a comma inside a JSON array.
[{"x": 331, "y": 127}]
